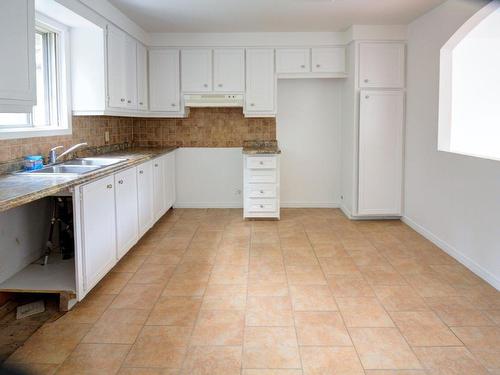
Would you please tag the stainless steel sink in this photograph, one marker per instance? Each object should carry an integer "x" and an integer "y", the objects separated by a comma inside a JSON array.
[{"x": 74, "y": 167}]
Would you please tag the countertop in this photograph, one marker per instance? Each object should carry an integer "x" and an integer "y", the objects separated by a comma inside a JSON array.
[
  {"x": 261, "y": 147},
  {"x": 19, "y": 189}
]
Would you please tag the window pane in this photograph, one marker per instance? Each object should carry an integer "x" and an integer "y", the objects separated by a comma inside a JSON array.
[
  {"x": 40, "y": 112},
  {"x": 14, "y": 119}
]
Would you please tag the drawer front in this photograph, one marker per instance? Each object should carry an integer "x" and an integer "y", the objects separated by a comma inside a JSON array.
[
  {"x": 261, "y": 162},
  {"x": 256, "y": 176},
  {"x": 261, "y": 191},
  {"x": 262, "y": 205}
]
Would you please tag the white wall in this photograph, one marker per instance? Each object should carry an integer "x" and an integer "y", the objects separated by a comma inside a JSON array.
[
  {"x": 308, "y": 131},
  {"x": 209, "y": 177},
  {"x": 452, "y": 199}
]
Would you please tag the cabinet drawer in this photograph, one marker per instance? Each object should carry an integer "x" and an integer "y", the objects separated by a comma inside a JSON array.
[
  {"x": 261, "y": 162},
  {"x": 261, "y": 191},
  {"x": 267, "y": 176},
  {"x": 262, "y": 205}
]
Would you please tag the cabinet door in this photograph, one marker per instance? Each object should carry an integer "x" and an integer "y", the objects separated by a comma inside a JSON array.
[
  {"x": 142, "y": 77},
  {"x": 117, "y": 86},
  {"x": 98, "y": 230},
  {"x": 229, "y": 70},
  {"x": 261, "y": 81},
  {"x": 382, "y": 65},
  {"x": 164, "y": 83},
  {"x": 145, "y": 196},
  {"x": 127, "y": 221},
  {"x": 159, "y": 199},
  {"x": 17, "y": 65},
  {"x": 169, "y": 174},
  {"x": 293, "y": 60},
  {"x": 328, "y": 60},
  {"x": 196, "y": 70},
  {"x": 130, "y": 77},
  {"x": 380, "y": 152}
]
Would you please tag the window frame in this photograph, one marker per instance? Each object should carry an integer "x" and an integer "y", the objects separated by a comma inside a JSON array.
[{"x": 61, "y": 87}]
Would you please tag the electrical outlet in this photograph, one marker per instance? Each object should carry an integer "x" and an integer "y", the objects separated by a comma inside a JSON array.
[{"x": 106, "y": 136}]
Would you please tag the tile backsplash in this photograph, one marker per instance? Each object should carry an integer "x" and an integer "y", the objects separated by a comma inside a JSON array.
[{"x": 205, "y": 127}]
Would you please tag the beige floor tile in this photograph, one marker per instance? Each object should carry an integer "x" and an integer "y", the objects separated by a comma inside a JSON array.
[
  {"x": 229, "y": 274},
  {"x": 488, "y": 358},
  {"x": 117, "y": 326},
  {"x": 270, "y": 348},
  {"x": 218, "y": 328},
  {"x": 175, "y": 311},
  {"x": 113, "y": 283},
  {"x": 494, "y": 315},
  {"x": 235, "y": 256},
  {"x": 305, "y": 275},
  {"x": 181, "y": 288},
  {"x": 395, "y": 372},
  {"x": 449, "y": 361},
  {"x": 152, "y": 274},
  {"x": 269, "y": 311},
  {"x": 382, "y": 275},
  {"x": 363, "y": 312},
  {"x": 258, "y": 288},
  {"x": 321, "y": 329},
  {"x": 383, "y": 348},
  {"x": 479, "y": 338},
  {"x": 429, "y": 285},
  {"x": 400, "y": 298},
  {"x": 408, "y": 266},
  {"x": 424, "y": 328},
  {"x": 225, "y": 297},
  {"x": 82, "y": 314},
  {"x": 329, "y": 251},
  {"x": 312, "y": 298},
  {"x": 271, "y": 372},
  {"x": 265, "y": 250},
  {"x": 147, "y": 371},
  {"x": 34, "y": 368},
  {"x": 207, "y": 360},
  {"x": 166, "y": 259},
  {"x": 458, "y": 311},
  {"x": 339, "y": 266},
  {"x": 137, "y": 296},
  {"x": 130, "y": 263},
  {"x": 159, "y": 346},
  {"x": 94, "y": 359},
  {"x": 347, "y": 286},
  {"x": 330, "y": 361}
]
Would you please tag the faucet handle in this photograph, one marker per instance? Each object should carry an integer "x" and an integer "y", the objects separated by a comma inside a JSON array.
[{"x": 56, "y": 148}]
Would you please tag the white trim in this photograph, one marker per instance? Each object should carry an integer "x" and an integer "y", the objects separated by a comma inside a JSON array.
[
  {"x": 311, "y": 75},
  {"x": 208, "y": 205},
  {"x": 32, "y": 132},
  {"x": 310, "y": 205},
  {"x": 453, "y": 252}
]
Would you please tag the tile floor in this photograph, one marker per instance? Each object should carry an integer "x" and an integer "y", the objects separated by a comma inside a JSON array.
[{"x": 205, "y": 292}]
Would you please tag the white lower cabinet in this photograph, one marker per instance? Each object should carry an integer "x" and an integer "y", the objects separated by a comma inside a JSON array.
[
  {"x": 97, "y": 232},
  {"x": 169, "y": 174},
  {"x": 261, "y": 186},
  {"x": 159, "y": 196},
  {"x": 145, "y": 196},
  {"x": 127, "y": 213}
]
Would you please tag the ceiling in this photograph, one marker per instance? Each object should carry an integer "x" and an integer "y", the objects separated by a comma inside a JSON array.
[{"x": 269, "y": 15}]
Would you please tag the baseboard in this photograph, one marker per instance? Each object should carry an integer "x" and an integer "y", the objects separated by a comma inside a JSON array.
[
  {"x": 346, "y": 211},
  {"x": 208, "y": 205},
  {"x": 453, "y": 252},
  {"x": 309, "y": 205}
]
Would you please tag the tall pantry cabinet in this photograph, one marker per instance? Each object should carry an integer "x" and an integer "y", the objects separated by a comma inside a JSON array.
[{"x": 372, "y": 130}]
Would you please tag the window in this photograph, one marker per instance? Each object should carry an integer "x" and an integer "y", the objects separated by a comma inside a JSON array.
[
  {"x": 51, "y": 112},
  {"x": 469, "y": 113}
]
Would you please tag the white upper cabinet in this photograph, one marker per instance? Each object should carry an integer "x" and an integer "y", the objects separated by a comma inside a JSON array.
[
  {"x": 164, "y": 83},
  {"x": 117, "y": 87},
  {"x": 293, "y": 60},
  {"x": 142, "y": 77},
  {"x": 380, "y": 152},
  {"x": 260, "y": 82},
  {"x": 196, "y": 70},
  {"x": 328, "y": 60},
  {"x": 17, "y": 64},
  {"x": 382, "y": 65},
  {"x": 229, "y": 70},
  {"x": 130, "y": 77}
]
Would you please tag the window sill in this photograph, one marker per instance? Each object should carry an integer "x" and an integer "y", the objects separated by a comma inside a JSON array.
[
  {"x": 32, "y": 133},
  {"x": 470, "y": 155}
]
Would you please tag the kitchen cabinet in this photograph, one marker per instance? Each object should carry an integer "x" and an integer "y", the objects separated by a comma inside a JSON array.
[
  {"x": 261, "y": 186},
  {"x": 145, "y": 196},
  {"x": 382, "y": 65},
  {"x": 142, "y": 77},
  {"x": 260, "y": 98},
  {"x": 170, "y": 179},
  {"x": 196, "y": 70},
  {"x": 97, "y": 230},
  {"x": 130, "y": 77},
  {"x": 229, "y": 70},
  {"x": 159, "y": 196},
  {"x": 127, "y": 219},
  {"x": 17, "y": 65},
  {"x": 380, "y": 152},
  {"x": 293, "y": 60},
  {"x": 328, "y": 60},
  {"x": 164, "y": 80}
]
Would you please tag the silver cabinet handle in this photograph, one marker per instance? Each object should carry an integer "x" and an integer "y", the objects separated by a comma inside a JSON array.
[
  {"x": 120, "y": 182},
  {"x": 122, "y": 100},
  {"x": 141, "y": 172},
  {"x": 262, "y": 191},
  {"x": 303, "y": 66},
  {"x": 109, "y": 186},
  {"x": 141, "y": 103},
  {"x": 129, "y": 101},
  {"x": 173, "y": 105},
  {"x": 156, "y": 165}
]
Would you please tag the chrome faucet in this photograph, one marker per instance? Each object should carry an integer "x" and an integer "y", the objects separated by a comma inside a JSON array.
[{"x": 53, "y": 157}]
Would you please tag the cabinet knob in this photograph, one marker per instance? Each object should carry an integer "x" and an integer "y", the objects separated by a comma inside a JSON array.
[
  {"x": 220, "y": 85},
  {"x": 205, "y": 85},
  {"x": 122, "y": 100},
  {"x": 366, "y": 81},
  {"x": 129, "y": 101},
  {"x": 141, "y": 103},
  {"x": 109, "y": 186},
  {"x": 262, "y": 191},
  {"x": 156, "y": 165},
  {"x": 141, "y": 172},
  {"x": 318, "y": 66},
  {"x": 261, "y": 163},
  {"x": 120, "y": 182},
  {"x": 261, "y": 206},
  {"x": 173, "y": 105},
  {"x": 252, "y": 104},
  {"x": 367, "y": 97},
  {"x": 303, "y": 66}
]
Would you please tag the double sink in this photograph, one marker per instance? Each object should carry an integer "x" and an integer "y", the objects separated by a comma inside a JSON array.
[{"x": 74, "y": 167}]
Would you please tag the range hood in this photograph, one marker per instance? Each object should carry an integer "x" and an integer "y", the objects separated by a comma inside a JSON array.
[{"x": 213, "y": 100}]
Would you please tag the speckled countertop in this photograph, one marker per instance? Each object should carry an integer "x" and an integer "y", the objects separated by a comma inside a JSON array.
[
  {"x": 19, "y": 189},
  {"x": 261, "y": 147}
]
